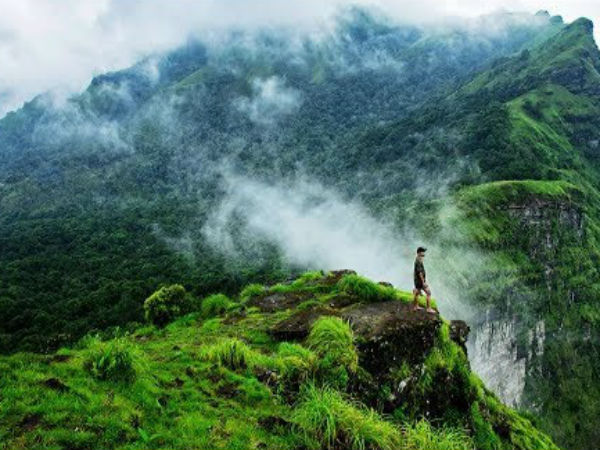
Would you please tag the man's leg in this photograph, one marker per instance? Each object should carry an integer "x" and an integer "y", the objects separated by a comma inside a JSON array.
[
  {"x": 416, "y": 293},
  {"x": 428, "y": 293}
]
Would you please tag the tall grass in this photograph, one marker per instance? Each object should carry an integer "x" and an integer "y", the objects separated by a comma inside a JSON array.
[
  {"x": 114, "y": 360},
  {"x": 215, "y": 305},
  {"x": 423, "y": 436},
  {"x": 295, "y": 362},
  {"x": 366, "y": 289},
  {"x": 233, "y": 354},
  {"x": 327, "y": 420},
  {"x": 332, "y": 339}
]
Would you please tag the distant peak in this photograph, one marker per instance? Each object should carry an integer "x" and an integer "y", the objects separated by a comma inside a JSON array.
[
  {"x": 544, "y": 14},
  {"x": 583, "y": 23}
]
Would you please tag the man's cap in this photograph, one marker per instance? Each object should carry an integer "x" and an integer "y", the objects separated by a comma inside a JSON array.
[{"x": 421, "y": 250}]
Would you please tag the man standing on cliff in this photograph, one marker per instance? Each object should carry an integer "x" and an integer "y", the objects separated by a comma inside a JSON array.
[{"x": 421, "y": 282}]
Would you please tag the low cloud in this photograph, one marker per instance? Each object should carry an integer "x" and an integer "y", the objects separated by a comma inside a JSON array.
[
  {"x": 67, "y": 124},
  {"x": 59, "y": 45},
  {"x": 270, "y": 101},
  {"x": 317, "y": 228}
]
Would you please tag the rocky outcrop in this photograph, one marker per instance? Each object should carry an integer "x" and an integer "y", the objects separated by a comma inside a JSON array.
[
  {"x": 503, "y": 350},
  {"x": 279, "y": 301},
  {"x": 546, "y": 221},
  {"x": 503, "y": 354},
  {"x": 387, "y": 333}
]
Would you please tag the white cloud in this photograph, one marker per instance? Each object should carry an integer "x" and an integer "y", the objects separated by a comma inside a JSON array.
[
  {"x": 61, "y": 44},
  {"x": 316, "y": 227},
  {"x": 270, "y": 101}
]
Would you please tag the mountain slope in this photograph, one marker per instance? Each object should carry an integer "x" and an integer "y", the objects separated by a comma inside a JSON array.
[
  {"x": 531, "y": 123},
  {"x": 478, "y": 144},
  {"x": 226, "y": 380},
  {"x": 140, "y": 155},
  {"x": 546, "y": 130}
]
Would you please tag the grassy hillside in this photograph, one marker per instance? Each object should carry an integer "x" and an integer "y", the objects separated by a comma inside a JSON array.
[{"x": 221, "y": 377}]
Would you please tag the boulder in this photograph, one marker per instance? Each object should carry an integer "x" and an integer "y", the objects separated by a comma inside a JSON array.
[
  {"x": 280, "y": 301},
  {"x": 298, "y": 325}
]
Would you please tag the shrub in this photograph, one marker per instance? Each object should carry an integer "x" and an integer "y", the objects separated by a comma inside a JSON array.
[
  {"x": 166, "y": 304},
  {"x": 233, "y": 354},
  {"x": 423, "y": 436},
  {"x": 365, "y": 289},
  {"x": 327, "y": 420},
  {"x": 215, "y": 304},
  {"x": 113, "y": 360}
]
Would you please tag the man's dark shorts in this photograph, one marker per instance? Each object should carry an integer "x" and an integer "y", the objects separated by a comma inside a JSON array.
[{"x": 419, "y": 284}]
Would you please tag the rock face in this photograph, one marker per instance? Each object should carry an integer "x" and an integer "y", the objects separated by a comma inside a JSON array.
[
  {"x": 386, "y": 332},
  {"x": 503, "y": 350},
  {"x": 495, "y": 358},
  {"x": 501, "y": 359},
  {"x": 545, "y": 221}
]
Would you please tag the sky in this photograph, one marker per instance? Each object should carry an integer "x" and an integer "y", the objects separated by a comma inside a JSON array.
[{"x": 59, "y": 45}]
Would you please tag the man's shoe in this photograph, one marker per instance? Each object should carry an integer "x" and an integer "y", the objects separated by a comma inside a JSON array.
[
  {"x": 431, "y": 311},
  {"x": 418, "y": 308}
]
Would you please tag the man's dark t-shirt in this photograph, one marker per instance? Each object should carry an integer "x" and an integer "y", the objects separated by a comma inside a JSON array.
[{"x": 419, "y": 268}]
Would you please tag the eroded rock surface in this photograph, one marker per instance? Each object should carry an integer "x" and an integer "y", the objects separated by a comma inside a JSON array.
[
  {"x": 387, "y": 333},
  {"x": 279, "y": 301}
]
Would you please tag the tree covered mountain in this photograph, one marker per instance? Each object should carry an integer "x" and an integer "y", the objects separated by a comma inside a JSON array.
[{"x": 479, "y": 140}]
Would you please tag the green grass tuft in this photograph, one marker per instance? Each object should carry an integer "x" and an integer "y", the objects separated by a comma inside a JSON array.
[
  {"x": 366, "y": 289},
  {"x": 326, "y": 420},
  {"x": 215, "y": 305},
  {"x": 296, "y": 363},
  {"x": 332, "y": 338},
  {"x": 114, "y": 360},
  {"x": 307, "y": 278},
  {"x": 233, "y": 354},
  {"x": 252, "y": 290},
  {"x": 333, "y": 341},
  {"x": 423, "y": 436}
]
